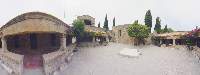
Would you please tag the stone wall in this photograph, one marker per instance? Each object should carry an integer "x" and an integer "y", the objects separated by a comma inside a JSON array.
[
  {"x": 120, "y": 34},
  {"x": 94, "y": 29},
  {"x": 56, "y": 60},
  {"x": 34, "y": 25},
  {"x": 196, "y": 52},
  {"x": 34, "y": 22},
  {"x": 13, "y": 61},
  {"x": 87, "y": 17}
]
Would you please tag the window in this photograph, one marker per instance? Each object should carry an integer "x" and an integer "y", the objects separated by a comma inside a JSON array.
[
  {"x": 87, "y": 22},
  {"x": 120, "y": 32}
]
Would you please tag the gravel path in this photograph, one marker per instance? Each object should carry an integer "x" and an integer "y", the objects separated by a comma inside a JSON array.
[{"x": 105, "y": 60}]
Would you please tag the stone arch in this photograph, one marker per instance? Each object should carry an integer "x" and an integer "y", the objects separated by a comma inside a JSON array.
[{"x": 35, "y": 22}]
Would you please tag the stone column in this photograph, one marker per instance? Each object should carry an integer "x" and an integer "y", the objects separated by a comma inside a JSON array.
[
  {"x": 107, "y": 39},
  {"x": 160, "y": 41},
  {"x": 174, "y": 42},
  {"x": 73, "y": 39},
  {"x": 93, "y": 39},
  {"x": 63, "y": 42},
  {"x": 4, "y": 44}
]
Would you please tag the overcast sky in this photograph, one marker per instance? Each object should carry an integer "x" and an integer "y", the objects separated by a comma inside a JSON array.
[{"x": 177, "y": 14}]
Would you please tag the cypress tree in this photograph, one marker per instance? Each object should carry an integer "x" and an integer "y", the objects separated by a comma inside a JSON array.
[
  {"x": 148, "y": 20},
  {"x": 99, "y": 25},
  {"x": 165, "y": 29},
  {"x": 114, "y": 21},
  {"x": 135, "y": 22},
  {"x": 157, "y": 27},
  {"x": 106, "y": 23}
]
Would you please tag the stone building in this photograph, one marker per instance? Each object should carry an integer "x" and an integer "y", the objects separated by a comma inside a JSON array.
[
  {"x": 100, "y": 35},
  {"x": 87, "y": 19},
  {"x": 120, "y": 34},
  {"x": 36, "y": 39},
  {"x": 171, "y": 39}
]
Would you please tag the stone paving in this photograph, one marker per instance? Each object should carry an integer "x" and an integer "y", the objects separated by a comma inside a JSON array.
[
  {"x": 2, "y": 71},
  {"x": 105, "y": 60}
]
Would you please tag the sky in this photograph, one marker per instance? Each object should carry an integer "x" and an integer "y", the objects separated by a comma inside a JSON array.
[{"x": 180, "y": 15}]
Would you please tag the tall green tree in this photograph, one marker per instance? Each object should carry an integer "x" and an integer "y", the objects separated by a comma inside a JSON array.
[
  {"x": 135, "y": 22},
  {"x": 138, "y": 31},
  {"x": 157, "y": 27},
  {"x": 165, "y": 30},
  {"x": 106, "y": 23},
  {"x": 114, "y": 21},
  {"x": 148, "y": 20},
  {"x": 170, "y": 30},
  {"x": 78, "y": 27},
  {"x": 99, "y": 25}
]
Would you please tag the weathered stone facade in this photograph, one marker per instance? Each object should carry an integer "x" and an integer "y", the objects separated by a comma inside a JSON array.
[
  {"x": 120, "y": 34},
  {"x": 87, "y": 19},
  {"x": 99, "y": 33},
  {"x": 173, "y": 38},
  {"x": 36, "y": 23}
]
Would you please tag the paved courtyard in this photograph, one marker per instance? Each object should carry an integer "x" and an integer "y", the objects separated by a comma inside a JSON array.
[{"x": 105, "y": 60}]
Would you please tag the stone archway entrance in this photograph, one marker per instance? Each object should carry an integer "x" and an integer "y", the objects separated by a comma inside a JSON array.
[{"x": 33, "y": 46}]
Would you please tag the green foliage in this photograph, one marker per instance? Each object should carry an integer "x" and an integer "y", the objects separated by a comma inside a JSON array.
[
  {"x": 148, "y": 20},
  {"x": 99, "y": 25},
  {"x": 189, "y": 42},
  {"x": 165, "y": 30},
  {"x": 106, "y": 23},
  {"x": 114, "y": 21},
  {"x": 89, "y": 34},
  {"x": 157, "y": 27},
  {"x": 170, "y": 30},
  {"x": 135, "y": 22},
  {"x": 138, "y": 31},
  {"x": 78, "y": 27}
]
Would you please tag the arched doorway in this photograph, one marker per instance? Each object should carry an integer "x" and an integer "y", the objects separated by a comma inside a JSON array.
[
  {"x": 33, "y": 46},
  {"x": 27, "y": 40}
]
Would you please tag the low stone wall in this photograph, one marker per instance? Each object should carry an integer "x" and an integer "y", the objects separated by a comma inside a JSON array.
[
  {"x": 12, "y": 61},
  {"x": 56, "y": 60},
  {"x": 196, "y": 52}
]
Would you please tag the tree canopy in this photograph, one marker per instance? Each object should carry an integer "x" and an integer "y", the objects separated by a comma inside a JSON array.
[
  {"x": 157, "y": 27},
  {"x": 148, "y": 20},
  {"x": 78, "y": 27},
  {"x": 138, "y": 30},
  {"x": 99, "y": 25},
  {"x": 165, "y": 30},
  {"x": 114, "y": 21},
  {"x": 106, "y": 23}
]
